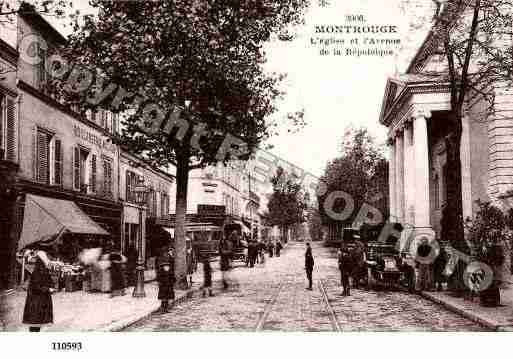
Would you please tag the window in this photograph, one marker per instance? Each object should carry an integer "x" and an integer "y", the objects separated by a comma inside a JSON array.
[
  {"x": 164, "y": 200},
  {"x": 107, "y": 177},
  {"x": 152, "y": 201},
  {"x": 8, "y": 147},
  {"x": 43, "y": 156},
  {"x": 84, "y": 170},
  {"x": 48, "y": 158},
  {"x": 40, "y": 75},
  {"x": 131, "y": 182}
]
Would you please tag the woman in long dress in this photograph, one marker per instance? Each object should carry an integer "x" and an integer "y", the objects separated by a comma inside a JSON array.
[{"x": 38, "y": 305}]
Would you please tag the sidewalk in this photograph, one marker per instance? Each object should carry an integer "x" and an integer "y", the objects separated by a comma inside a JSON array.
[
  {"x": 81, "y": 311},
  {"x": 498, "y": 319}
]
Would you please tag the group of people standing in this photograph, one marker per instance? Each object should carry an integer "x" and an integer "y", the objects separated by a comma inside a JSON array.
[{"x": 256, "y": 251}]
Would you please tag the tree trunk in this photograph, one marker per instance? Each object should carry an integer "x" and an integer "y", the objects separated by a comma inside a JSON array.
[
  {"x": 452, "y": 223},
  {"x": 182, "y": 180}
]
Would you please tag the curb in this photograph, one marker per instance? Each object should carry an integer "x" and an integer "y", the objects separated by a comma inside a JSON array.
[
  {"x": 466, "y": 314},
  {"x": 127, "y": 322}
]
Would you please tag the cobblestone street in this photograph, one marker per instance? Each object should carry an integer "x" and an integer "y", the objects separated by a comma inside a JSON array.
[{"x": 272, "y": 297}]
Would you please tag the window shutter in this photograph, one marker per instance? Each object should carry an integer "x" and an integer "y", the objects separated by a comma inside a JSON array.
[
  {"x": 1, "y": 124},
  {"x": 42, "y": 157},
  {"x": 10, "y": 131},
  {"x": 92, "y": 184},
  {"x": 107, "y": 177},
  {"x": 128, "y": 184},
  {"x": 58, "y": 162},
  {"x": 76, "y": 168}
]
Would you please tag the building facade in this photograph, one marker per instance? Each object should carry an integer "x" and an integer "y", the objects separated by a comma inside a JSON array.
[
  {"x": 9, "y": 158},
  {"x": 50, "y": 154},
  {"x": 137, "y": 219},
  {"x": 229, "y": 189},
  {"x": 414, "y": 110}
]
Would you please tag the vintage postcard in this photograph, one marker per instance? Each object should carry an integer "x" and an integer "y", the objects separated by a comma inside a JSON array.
[{"x": 255, "y": 166}]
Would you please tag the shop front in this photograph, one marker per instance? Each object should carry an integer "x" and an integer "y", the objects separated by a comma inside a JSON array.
[
  {"x": 72, "y": 222},
  {"x": 62, "y": 224}
]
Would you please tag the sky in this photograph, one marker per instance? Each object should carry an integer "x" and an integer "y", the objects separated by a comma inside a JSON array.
[{"x": 336, "y": 92}]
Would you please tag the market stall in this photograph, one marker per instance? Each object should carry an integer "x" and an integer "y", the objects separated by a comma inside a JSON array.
[{"x": 66, "y": 226}]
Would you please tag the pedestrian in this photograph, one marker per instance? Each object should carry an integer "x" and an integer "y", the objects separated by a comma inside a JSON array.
[
  {"x": 190, "y": 261},
  {"x": 131, "y": 264},
  {"x": 309, "y": 265},
  {"x": 409, "y": 272},
  {"x": 439, "y": 268},
  {"x": 117, "y": 275},
  {"x": 261, "y": 250},
  {"x": 278, "y": 248},
  {"x": 424, "y": 269},
  {"x": 166, "y": 277},
  {"x": 38, "y": 309},
  {"x": 207, "y": 277},
  {"x": 271, "y": 249},
  {"x": 345, "y": 267},
  {"x": 225, "y": 252},
  {"x": 252, "y": 253}
]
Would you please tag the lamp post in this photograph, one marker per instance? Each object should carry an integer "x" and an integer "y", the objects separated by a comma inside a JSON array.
[{"x": 141, "y": 193}]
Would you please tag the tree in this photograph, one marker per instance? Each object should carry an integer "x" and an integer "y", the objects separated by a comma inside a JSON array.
[
  {"x": 287, "y": 202},
  {"x": 474, "y": 37},
  {"x": 314, "y": 224},
  {"x": 199, "y": 94},
  {"x": 361, "y": 172}
]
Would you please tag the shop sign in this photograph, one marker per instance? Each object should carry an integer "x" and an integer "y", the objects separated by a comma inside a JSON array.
[
  {"x": 210, "y": 210},
  {"x": 91, "y": 137}
]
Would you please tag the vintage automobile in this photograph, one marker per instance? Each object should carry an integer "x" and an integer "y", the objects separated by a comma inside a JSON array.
[{"x": 385, "y": 267}]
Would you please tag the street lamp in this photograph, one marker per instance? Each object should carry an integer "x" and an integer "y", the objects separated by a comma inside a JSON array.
[{"x": 141, "y": 194}]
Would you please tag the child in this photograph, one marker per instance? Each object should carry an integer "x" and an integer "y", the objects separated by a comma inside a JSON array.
[{"x": 207, "y": 277}]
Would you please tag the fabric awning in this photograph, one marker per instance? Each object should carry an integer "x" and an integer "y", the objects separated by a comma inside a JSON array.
[
  {"x": 45, "y": 217},
  {"x": 243, "y": 227}
]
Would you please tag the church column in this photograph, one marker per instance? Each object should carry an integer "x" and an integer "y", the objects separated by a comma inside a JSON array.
[
  {"x": 409, "y": 175},
  {"x": 391, "y": 181},
  {"x": 421, "y": 150},
  {"x": 399, "y": 176}
]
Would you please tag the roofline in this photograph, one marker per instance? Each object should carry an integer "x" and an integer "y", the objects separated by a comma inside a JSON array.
[
  {"x": 12, "y": 53},
  {"x": 29, "y": 13},
  {"x": 146, "y": 164},
  {"x": 408, "y": 90}
]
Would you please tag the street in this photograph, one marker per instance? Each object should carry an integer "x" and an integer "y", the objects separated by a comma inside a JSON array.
[{"x": 273, "y": 297}]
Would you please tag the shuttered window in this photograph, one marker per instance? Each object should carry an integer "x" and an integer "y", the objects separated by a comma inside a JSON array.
[
  {"x": 92, "y": 180},
  {"x": 76, "y": 168},
  {"x": 10, "y": 131},
  {"x": 107, "y": 177},
  {"x": 58, "y": 162},
  {"x": 43, "y": 157},
  {"x": 131, "y": 182},
  {"x": 2, "y": 118}
]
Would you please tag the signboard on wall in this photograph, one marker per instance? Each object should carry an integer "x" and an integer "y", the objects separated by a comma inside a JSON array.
[{"x": 210, "y": 210}]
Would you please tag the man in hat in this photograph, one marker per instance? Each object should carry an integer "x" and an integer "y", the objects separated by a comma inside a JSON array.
[
  {"x": 309, "y": 265},
  {"x": 166, "y": 277}
]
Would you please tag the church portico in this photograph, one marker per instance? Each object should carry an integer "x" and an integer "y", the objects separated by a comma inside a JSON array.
[{"x": 414, "y": 113}]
